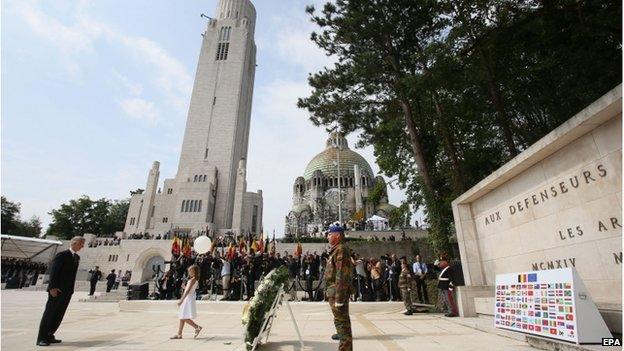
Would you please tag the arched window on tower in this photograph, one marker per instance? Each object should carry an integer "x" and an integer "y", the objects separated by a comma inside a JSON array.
[
  {"x": 224, "y": 43},
  {"x": 183, "y": 204}
]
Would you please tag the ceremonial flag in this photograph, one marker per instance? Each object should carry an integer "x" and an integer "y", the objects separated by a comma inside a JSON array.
[
  {"x": 261, "y": 243},
  {"x": 175, "y": 246},
  {"x": 242, "y": 246},
  {"x": 254, "y": 246},
  {"x": 273, "y": 244},
  {"x": 186, "y": 247},
  {"x": 231, "y": 252},
  {"x": 250, "y": 242},
  {"x": 298, "y": 250}
]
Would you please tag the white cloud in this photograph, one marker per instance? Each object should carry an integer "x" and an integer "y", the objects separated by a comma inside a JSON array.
[
  {"x": 69, "y": 39},
  {"x": 140, "y": 109},
  {"x": 135, "y": 89},
  {"x": 170, "y": 75},
  {"x": 295, "y": 44}
]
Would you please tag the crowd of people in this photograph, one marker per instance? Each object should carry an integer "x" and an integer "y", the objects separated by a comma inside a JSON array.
[
  {"x": 105, "y": 242},
  {"x": 236, "y": 276},
  {"x": 18, "y": 273},
  {"x": 147, "y": 236}
]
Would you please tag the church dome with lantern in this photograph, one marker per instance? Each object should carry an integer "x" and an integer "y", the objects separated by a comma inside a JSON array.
[
  {"x": 337, "y": 173},
  {"x": 327, "y": 160}
]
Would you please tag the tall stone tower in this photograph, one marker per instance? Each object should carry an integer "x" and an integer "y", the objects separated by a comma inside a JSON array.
[
  {"x": 202, "y": 195},
  {"x": 217, "y": 128}
]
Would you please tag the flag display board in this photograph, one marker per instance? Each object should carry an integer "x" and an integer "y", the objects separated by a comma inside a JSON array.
[{"x": 548, "y": 303}]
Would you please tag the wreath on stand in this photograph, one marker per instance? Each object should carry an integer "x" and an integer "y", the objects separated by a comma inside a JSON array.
[{"x": 255, "y": 310}]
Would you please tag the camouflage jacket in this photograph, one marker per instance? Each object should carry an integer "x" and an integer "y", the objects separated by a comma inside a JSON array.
[
  {"x": 338, "y": 273},
  {"x": 406, "y": 279}
]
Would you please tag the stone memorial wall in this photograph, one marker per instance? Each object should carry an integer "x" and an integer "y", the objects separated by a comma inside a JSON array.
[{"x": 556, "y": 205}]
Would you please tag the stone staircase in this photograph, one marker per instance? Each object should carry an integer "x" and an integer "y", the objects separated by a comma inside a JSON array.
[{"x": 112, "y": 296}]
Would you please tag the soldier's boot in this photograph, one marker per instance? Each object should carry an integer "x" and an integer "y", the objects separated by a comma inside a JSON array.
[{"x": 335, "y": 337}]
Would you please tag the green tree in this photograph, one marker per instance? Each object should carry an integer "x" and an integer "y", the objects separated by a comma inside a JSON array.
[
  {"x": 31, "y": 228},
  {"x": 400, "y": 216},
  {"x": 116, "y": 218},
  {"x": 448, "y": 91},
  {"x": 13, "y": 225},
  {"x": 83, "y": 215},
  {"x": 380, "y": 46},
  {"x": 137, "y": 191},
  {"x": 10, "y": 216}
]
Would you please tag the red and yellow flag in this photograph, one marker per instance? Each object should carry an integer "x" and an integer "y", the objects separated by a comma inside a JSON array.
[
  {"x": 230, "y": 252},
  {"x": 175, "y": 246},
  {"x": 242, "y": 246},
  {"x": 186, "y": 247},
  {"x": 298, "y": 250},
  {"x": 254, "y": 246},
  {"x": 261, "y": 243}
]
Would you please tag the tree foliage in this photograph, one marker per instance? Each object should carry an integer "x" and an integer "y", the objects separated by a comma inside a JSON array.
[
  {"x": 400, "y": 217},
  {"x": 84, "y": 215},
  {"x": 13, "y": 225},
  {"x": 448, "y": 91}
]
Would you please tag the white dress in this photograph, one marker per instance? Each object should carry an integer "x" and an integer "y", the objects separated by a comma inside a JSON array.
[{"x": 188, "y": 310}]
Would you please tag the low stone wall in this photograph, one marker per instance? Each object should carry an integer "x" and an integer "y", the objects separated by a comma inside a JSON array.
[
  {"x": 407, "y": 248},
  {"x": 409, "y": 233}
]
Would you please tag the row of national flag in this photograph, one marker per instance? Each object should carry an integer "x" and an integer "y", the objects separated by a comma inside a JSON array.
[
  {"x": 181, "y": 246},
  {"x": 184, "y": 246}
]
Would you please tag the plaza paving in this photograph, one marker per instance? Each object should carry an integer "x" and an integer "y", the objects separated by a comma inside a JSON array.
[{"x": 148, "y": 326}]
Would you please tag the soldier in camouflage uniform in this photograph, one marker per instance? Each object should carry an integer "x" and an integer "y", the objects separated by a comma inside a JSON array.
[
  {"x": 406, "y": 284},
  {"x": 338, "y": 275}
]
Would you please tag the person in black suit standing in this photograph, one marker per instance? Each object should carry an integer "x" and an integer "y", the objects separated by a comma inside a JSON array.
[
  {"x": 96, "y": 275},
  {"x": 110, "y": 280},
  {"x": 60, "y": 289}
]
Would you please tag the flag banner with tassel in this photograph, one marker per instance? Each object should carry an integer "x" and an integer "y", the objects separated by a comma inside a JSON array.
[
  {"x": 242, "y": 245},
  {"x": 231, "y": 251},
  {"x": 261, "y": 243},
  {"x": 186, "y": 248},
  {"x": 298, "y": 249},
  {"x": 175, "y": 246}
]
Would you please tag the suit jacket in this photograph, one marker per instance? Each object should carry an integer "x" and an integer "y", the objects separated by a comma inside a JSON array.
[{"x": 63, "y": 272}]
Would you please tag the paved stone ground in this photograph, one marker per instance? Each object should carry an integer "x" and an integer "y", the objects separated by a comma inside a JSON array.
[{"x": 102, "y": 326}]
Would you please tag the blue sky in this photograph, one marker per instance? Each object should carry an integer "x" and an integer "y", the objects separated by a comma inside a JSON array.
[{"x": 94, "y": 92}]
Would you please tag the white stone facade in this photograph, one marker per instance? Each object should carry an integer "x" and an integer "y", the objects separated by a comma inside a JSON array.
[
  {"x": 316, "y": 193},
  {"x": 204, "y": 195}
]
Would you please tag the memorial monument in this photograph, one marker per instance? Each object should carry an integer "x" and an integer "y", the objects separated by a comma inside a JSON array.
[
  {"x": 558, "y": 204},
  {"x": 208, "y": 193}
]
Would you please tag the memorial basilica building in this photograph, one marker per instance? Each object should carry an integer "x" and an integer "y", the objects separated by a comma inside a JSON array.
[{"x": 336, "y": 173}]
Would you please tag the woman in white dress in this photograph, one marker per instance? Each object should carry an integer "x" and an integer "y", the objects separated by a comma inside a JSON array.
[{"x": 188, "y": 310}]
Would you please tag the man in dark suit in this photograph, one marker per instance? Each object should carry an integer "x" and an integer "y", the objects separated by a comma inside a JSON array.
[
  {"x": 110, "y": 280},
  {"x": 60, "y": 289},
  {"x": 96, "y": 275}
]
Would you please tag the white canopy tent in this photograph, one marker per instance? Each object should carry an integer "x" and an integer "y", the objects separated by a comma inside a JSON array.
[
  {"x": 378, "y": 222},
  {"x": 28, "y": 248}
]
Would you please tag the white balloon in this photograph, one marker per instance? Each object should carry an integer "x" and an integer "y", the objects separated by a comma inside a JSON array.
[{"x": 202, "y": 244}]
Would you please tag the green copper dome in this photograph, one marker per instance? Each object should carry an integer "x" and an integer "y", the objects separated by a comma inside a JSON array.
[{"x": 325, "y": 161}]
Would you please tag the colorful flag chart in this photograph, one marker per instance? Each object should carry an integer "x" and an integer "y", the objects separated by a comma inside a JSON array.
[{"x": 552, "y": 303}]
